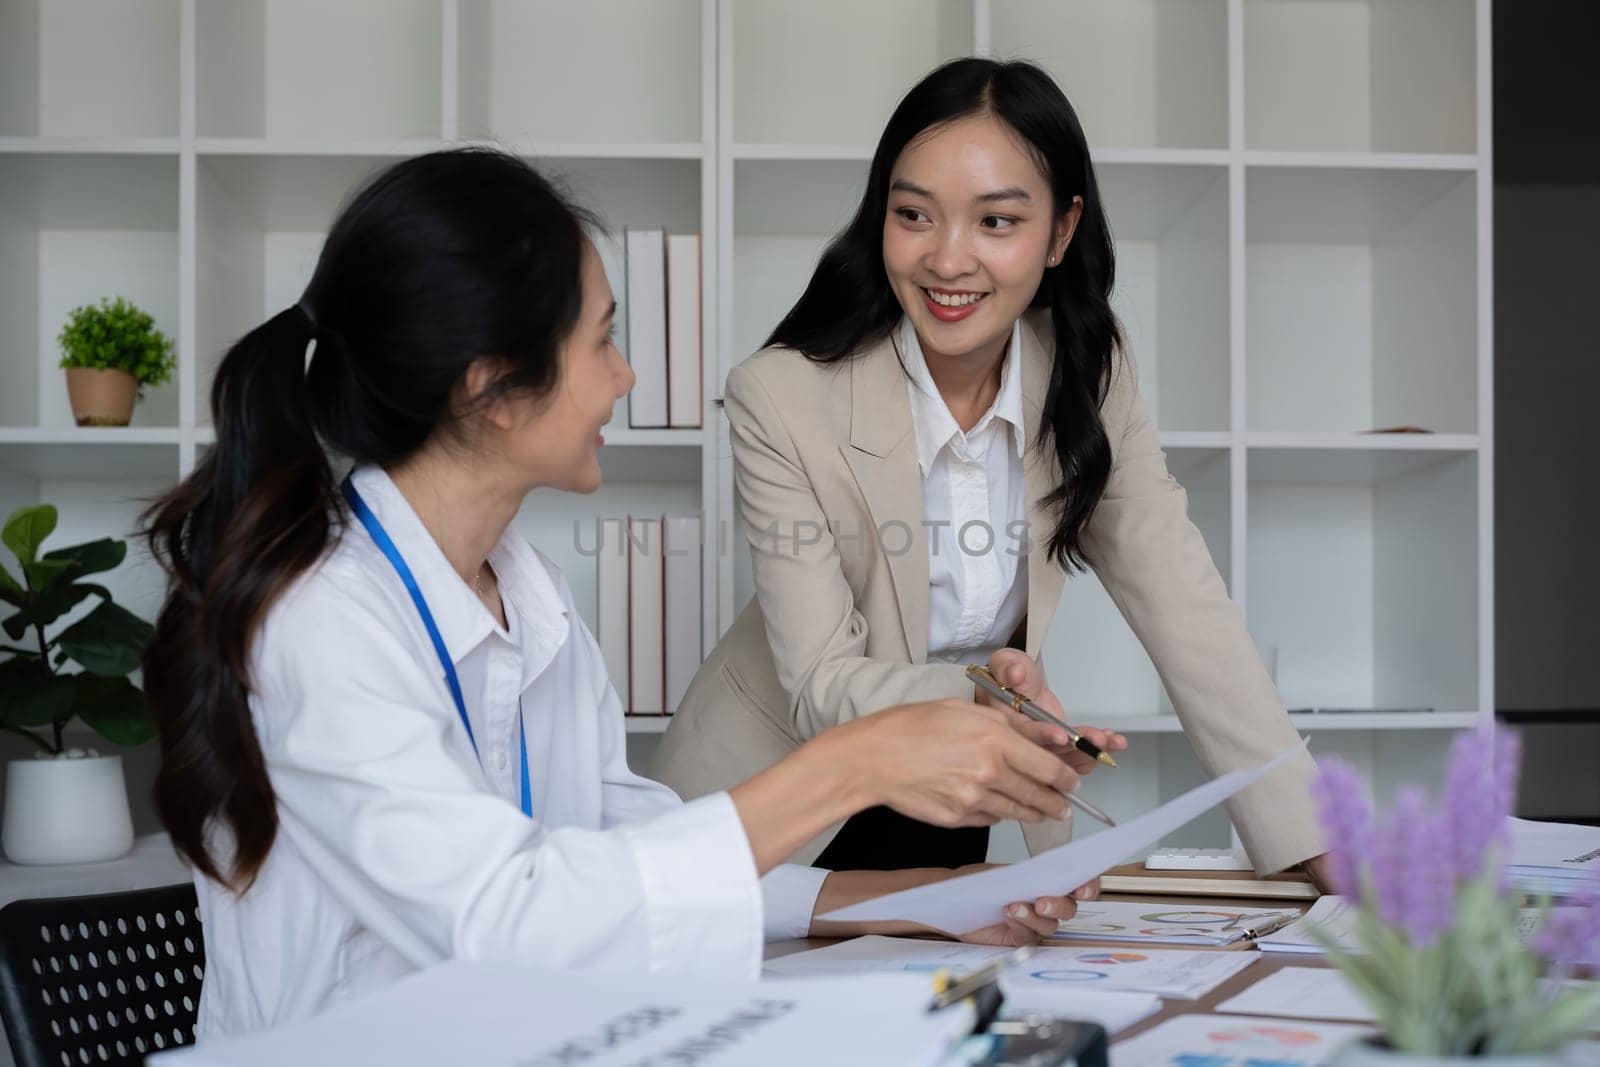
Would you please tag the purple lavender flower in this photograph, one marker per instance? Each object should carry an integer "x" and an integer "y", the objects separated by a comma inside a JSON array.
[
  {"x": 1393, "y": 856},
  {"x": 1480, "y": 789},
  {"x": 1571, "y": 935},
  {"x": 1346, "y": 823}
]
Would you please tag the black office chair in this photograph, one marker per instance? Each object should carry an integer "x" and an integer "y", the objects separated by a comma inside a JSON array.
[{"x": 103, "y": 979}]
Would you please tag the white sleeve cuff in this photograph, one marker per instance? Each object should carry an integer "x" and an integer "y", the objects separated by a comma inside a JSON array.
[
  {"x": 789, "y": 892},
  {"x": 702, "y": 899}
]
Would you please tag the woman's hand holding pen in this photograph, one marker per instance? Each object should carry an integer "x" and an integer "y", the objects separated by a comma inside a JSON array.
[
  {"x": 1019, "y": 671},
  {"x": 951, "y": 763}
]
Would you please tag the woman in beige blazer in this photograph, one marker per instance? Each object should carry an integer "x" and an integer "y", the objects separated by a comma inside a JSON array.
[{"x": 969, "y": 294}]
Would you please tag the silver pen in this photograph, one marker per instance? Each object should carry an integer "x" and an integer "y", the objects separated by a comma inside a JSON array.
[{"x": 986, "y": 681}]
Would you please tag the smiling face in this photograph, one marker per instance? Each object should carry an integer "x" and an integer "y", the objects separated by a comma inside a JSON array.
[
  {"x": 554, "y": 440},
  {"x": 969, "y": 229}
]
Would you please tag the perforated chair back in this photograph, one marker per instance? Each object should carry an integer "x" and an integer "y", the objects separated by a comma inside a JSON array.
[{"x": 103, "y": 979}]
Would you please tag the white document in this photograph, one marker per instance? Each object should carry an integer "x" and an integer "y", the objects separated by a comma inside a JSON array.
[
  {"x": 505, "y": 1014},
  {"x": 1336, "y": 916},
  {"x": 1305, "y": 993},
  {"x": 685, "y": 401},
  {"x": 1129, "y": 922},
  {"x": 1050, "y": 975},
  {"x": 614, "y": 258},
  {"x": 1235, "y": 1041},
  {"x": 958, "y": 905},
  {"x": 646, "y": 604}
]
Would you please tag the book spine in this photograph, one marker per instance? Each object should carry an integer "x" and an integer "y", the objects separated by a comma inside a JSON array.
[
  {"x": 682, "y": 605},
  {"x": 646, "y": 681},
  {"x": 611, "y": 618},
  {"x": 683, "y": 330},
  {"x": 647, "y": 328}
]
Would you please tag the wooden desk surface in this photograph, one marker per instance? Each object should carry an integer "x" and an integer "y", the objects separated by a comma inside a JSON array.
[{"x": 1265, "y": 964}]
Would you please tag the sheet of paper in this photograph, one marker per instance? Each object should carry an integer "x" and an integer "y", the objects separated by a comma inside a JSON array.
[
  {"x": 1337, "y": 916},
  {"x": 1305, "y": 993},
  {"x": 1234, "y": 1041},
  {"x": 1568, "y": 848},
  {"x": 1051, "y": 975},
  {"x": 1135, "y": 923},
  {"x": 506, "y": 1014},
  {"x": 958, "y": 905}
]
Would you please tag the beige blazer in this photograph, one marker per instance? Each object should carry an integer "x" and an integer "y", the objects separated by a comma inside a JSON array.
[{"x": 830, "y": 498}]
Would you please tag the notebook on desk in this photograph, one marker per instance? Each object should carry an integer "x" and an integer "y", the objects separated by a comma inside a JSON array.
[{"x": 1133, "y": 878}]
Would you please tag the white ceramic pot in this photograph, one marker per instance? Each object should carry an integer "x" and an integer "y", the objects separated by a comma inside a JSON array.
[
  {"x": 66, "y": 810},
  {"x": 1364, "y": 1053}
]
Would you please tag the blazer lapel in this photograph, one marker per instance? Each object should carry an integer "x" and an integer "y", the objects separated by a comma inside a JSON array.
[
  {"x": 882, "y": 455},
  {"x": 1041, "y": 474}
]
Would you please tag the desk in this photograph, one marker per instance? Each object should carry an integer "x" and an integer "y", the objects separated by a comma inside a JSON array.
[{"x": 1266, "y": 964}]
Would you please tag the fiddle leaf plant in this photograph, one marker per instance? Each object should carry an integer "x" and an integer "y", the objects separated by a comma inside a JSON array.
[{"x": 37, "y": 693}]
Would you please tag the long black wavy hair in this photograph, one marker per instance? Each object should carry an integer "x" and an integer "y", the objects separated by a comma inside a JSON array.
[
  {"x": 849, "y": 302},
  {"x": 438, "y": 261}
]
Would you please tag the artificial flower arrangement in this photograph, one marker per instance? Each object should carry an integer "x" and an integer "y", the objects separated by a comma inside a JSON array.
[{"x": 1441, "y": 960}]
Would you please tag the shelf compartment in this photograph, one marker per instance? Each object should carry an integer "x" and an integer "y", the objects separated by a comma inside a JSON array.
[
  {"x": 1139, "y": 73},
  {"x": 1171, "y": 229},
  {"x": 1362, "y": 309},
  {"x": 1364, "y": 576},
  {"x": 75, "y": 229},
  {"x": 1361, "y": 75},
  {"x": 875, "y": 53},
  {"x": 1102, "y": 668},
  {"x": 89, "y": 68},
  {"x": 639, "y": 66},
  {"x": 352, "y": 71}
]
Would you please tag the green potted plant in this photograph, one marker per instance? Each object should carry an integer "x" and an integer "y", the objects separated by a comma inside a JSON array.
[
  {"x": 1440, "y": 960},
  {"x": 66, "y": 805},
  {"x": 111, "y": 351}
]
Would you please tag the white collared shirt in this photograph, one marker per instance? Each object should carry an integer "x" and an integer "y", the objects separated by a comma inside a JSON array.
[
  {"x": 397, "y": 849},
  {"x": 975, "y": 508}
]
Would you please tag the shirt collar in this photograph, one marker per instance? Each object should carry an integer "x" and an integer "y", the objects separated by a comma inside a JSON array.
[
  {"x": 935, "y": 425},
  {"x": 463, "y": 621}
]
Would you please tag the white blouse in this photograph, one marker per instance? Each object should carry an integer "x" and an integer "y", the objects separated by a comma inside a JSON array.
[
  {"x": 396, "y": 849},
  {"x": 975, "y": 508}
]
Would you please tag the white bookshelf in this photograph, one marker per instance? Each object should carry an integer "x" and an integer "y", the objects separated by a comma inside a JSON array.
[{"x": 1299, "y": 190}]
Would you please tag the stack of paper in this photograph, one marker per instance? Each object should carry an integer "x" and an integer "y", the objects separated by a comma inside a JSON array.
[
  {"x": 1561, "y": 860},
  {"x": 1335, "y": 915},
  {"x": 1237, "y": 1041},
  {"x": 1062, "y": 972},
  {"x": 1126, "y": 922},
  {"x": 501, "y": 1013}
]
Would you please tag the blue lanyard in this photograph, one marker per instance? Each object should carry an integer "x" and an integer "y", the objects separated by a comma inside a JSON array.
[{"x": 381, "y": 538}]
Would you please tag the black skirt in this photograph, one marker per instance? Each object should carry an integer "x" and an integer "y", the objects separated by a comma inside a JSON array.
[{"x": 881, "y": 839}]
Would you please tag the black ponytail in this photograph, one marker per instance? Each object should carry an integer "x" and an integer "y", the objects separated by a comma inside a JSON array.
[{"x": 441, "y": 260}]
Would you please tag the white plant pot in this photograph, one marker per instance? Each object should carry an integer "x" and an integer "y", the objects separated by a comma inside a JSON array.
[
  {"x": 1363, "y": 1053},
  {"x": 66, "y": 810}
]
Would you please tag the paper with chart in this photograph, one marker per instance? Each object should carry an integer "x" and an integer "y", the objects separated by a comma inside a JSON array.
[
  {"x": 1235, "y": 1041},
  {"x": 500, "y": 1013},
  {"x": 1127, "y": 922},
  {"x": 1058, "y": 972},
  {"x": 958, "y": 905}
]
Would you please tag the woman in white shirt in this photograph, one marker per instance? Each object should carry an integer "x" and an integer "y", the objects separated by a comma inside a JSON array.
[
  {"x": 941, "y": 429},
  {"x": 387, "y": 737}
]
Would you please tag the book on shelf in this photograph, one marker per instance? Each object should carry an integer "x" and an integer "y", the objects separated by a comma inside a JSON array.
[
  {"x": 646, "y": 680},
  {"x": 684, "y": 392},
  {"x": 681, "y": 593},
  {"x": 647, "y": 327},
  {"x": 614, "y": 258},
  {"x": 611, "y": 617}
]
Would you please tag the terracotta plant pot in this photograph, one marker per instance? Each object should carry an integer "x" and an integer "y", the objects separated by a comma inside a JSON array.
[{"x": 101, "y": 397}]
